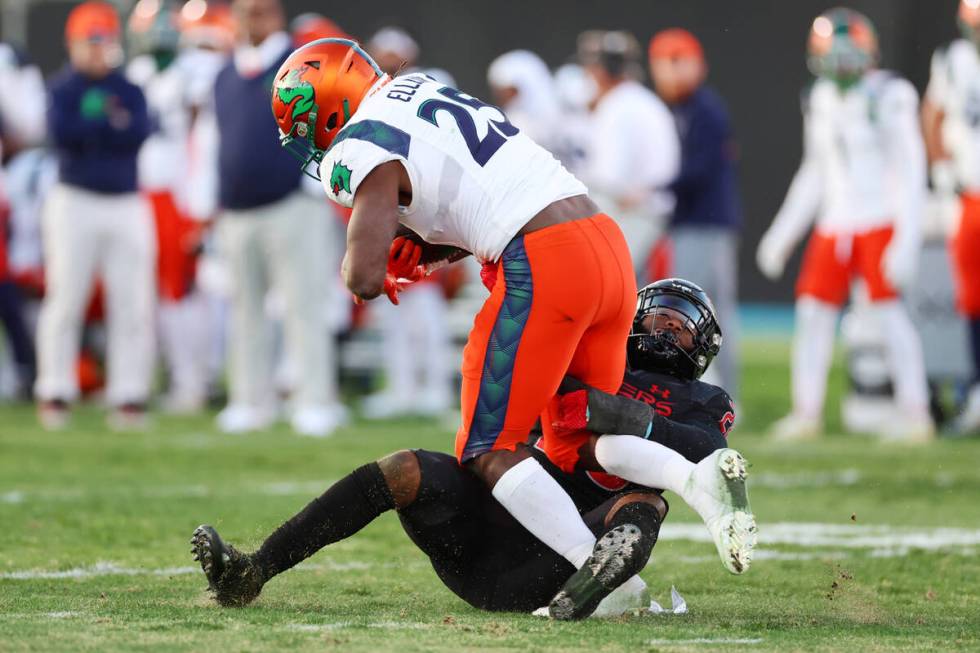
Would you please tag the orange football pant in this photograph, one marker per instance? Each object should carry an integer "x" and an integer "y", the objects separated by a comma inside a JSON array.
[
  {"x": 563, "y": 303},
  {"x": 965, "y": 250},
  {"x": 830, "y": 262}
]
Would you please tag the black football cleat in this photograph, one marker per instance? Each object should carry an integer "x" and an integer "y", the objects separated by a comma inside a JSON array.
[
  {"x": 618, "y": 555},
  {"x": 233, "y": 577}
]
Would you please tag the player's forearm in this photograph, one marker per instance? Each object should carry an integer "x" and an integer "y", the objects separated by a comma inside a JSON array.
[
  {"x": 603, "y": 413},
  {"x": 932, "y": 122}
]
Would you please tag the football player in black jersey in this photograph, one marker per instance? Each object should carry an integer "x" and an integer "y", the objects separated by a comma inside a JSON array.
[{"x": 476, "y": 548}]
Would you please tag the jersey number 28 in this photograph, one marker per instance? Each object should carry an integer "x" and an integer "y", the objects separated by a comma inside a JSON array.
[{"x": 458, "y": 105}]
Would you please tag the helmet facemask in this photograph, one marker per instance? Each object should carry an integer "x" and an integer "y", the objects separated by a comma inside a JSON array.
[{"x": 673, "y": 334}]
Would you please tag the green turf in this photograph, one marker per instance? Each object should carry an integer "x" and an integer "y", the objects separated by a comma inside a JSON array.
[{"x": 126, "y": 504}]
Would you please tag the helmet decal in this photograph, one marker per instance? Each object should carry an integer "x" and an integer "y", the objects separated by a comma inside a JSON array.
[{"x": 292, "y": 88}]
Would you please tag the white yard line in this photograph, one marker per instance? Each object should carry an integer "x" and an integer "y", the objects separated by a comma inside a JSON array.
[
  {"x": 386, "y": 625},
  {"x": 847, "y": 536},
  {"x": 831, "y": 541},
  {"x": 806, "y": 479},
  {"x": 183, "y": 491},
  {"x": 705, "y": 640},
  {"x": 115, "y": 569}
]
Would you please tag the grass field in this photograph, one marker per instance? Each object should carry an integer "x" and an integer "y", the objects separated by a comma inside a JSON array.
[{"x": 864, "y": 547}]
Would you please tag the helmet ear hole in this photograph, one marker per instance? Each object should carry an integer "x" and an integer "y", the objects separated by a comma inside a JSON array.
[{"x": 332, "y": 121}]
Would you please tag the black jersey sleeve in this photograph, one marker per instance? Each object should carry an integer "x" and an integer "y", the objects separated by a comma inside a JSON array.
[{"x": 705, "y": 426}]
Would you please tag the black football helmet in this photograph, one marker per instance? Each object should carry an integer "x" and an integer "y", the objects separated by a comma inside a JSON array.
[{"x": 687, "y": 355}]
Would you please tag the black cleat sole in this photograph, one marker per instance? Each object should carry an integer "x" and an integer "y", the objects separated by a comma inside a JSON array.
[{"x": 617, "y": 556}]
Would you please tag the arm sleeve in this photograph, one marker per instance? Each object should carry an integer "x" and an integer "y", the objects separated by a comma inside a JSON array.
[
  {"x": 694, "y": 440},
  {"x": 906, "y": 150},
  {"x": 662, "y": 152},
  {"x": 348, "y": 164},
  {"x": 202, "y": 183},
  {"x": 938, "y": 87},
  {"x": 699, "y": 436},
  {"x": 65, "y": 123},
  {"x": 608, "y": 169}
]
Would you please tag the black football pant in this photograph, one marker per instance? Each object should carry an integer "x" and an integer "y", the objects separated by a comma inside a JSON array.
[{"x": 477, "y": 549}]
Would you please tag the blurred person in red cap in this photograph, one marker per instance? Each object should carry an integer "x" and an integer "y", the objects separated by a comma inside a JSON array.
[
  {"x": 95, "y": 224},
  {"x": 952, "y": 135},
  {"x": 633, "y": 154},
  {"x": 705, "y": 225},
  {"x": 312, "y": 26}
]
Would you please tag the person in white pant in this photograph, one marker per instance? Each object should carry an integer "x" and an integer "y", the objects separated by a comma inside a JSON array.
[
  {"x": 634, "y": 152},
  {"x": 95, "y": 224},
  {"x": 863, "y": 178},
  {"x": 952, "y": 133},
  {"x": 166, "y": 78},
  {"x": 273, "y": 236}
]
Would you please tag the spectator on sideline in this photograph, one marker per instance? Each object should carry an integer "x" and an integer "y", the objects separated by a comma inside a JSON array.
[
  {"x": 634, "y": 153},
  {"x": 273, "y": 236},
  {"x": 96, "y": 224},
  {"x": 705, "y": 227},
  {"x": 521, "y": 85},
  {"x": 21, "y": 127}
]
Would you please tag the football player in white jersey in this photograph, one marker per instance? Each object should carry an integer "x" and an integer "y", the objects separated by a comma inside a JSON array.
[
  {"x": 456, "y": 173},
  {"x": 156, "y": 67},
  {"x": 951, "y": 123},
  {"x": 863, "y": 179}
]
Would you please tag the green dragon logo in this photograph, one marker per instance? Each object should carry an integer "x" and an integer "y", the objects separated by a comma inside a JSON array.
[
  {"x": 292, "y": 88},
  {"x": 340, "y": 178}
]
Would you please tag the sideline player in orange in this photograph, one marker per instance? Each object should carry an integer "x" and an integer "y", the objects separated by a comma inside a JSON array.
[{"x": 458, "y": 174}]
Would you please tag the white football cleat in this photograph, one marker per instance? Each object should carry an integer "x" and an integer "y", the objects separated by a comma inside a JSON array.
[
  {"x": 795, "y": 428},
  {"x": 914, "y": 428},
  {"x": 319, "y": 421},
  {"x": 385, "y": 405},
  {"x": 716, "y": 491},
  {"x": 242, "y": 418}
]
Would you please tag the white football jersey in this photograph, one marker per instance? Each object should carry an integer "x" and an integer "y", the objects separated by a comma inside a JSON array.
[
  {"x": 865, "y": 150},
  {"x": 162, "y": 162},
  {"x": 954, "y": 86},
  {"x": 476, "y": 179}
]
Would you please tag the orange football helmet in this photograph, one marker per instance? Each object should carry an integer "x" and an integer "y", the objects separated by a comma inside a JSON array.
[
  {"x": 207, "y": 24},
  {"x": 843, "y": 46},
  {"x": 316, "y": 91},
  {"x": 968, "y": 18}
]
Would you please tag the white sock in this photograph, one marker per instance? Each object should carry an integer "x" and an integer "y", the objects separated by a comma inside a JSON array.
[
  {"x": 540, "y": 504},
  {"x": 644, "y": 462},
  {"x": 904, "y": 357},
  {"x": 813, "y": 348}
]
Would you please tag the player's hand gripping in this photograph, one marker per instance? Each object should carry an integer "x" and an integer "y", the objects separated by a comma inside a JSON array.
[{"x": 403, "y": 267}]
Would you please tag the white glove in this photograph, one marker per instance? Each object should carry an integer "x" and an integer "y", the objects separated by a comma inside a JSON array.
[
  {"x": 771, "y": 256},
  {"x": 899, "y": 263}
]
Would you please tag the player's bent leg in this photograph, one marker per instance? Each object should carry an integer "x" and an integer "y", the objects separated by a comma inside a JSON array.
[
  {"x": 633, "y": 525},
  {"x": 345, "y": 508},
  {"x": 715, "y": 488}
]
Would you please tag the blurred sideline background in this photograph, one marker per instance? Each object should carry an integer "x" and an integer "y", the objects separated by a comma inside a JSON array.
[{"x": 755, "y": 51}]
